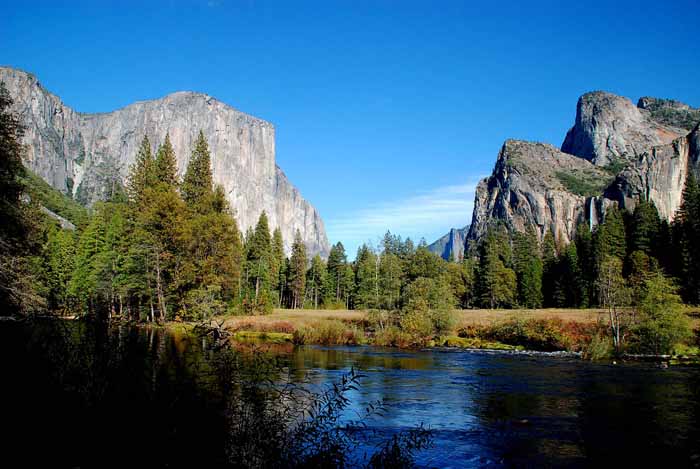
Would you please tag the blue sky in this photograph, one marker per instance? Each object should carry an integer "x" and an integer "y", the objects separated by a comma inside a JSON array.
[{"x": 387, "y": 113}]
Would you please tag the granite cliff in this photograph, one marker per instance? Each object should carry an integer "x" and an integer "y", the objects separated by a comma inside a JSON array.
[
  {"x": 616, "y": 153},
  {"x": 83, "y": 154},
  {"x": 451, "y": 245}
]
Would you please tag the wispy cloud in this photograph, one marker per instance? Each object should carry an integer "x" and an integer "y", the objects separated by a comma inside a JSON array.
[{"x": 428, "y": 215}]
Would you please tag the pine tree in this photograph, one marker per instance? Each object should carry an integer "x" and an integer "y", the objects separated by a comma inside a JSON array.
[
  {"x": 277, "y": 265},
  {"x": 59, "y": 258},
  {"x": 141, "y": 174},
  {"x": 297, "y": 272},
  {"x": 587, "y": 265},
  {"x": 260, "y": 260},
  {"x": 337, "y": 262},
  {"x": 315, "y": 279},
  {"x": 197, "y": 183},
  {"x": 687, "y": 240},
  {"x": 498, "y": 284},
  {"x": 165, "y": 166},
  {"x": 645, "y": 227},
  {"x": 610, "y": 238},
  {"x": 366, "y": 278},
  {"x": 528, "y": 269},
  {"x": 84, "y": 282},
  {"x": 390, "y": 279}
]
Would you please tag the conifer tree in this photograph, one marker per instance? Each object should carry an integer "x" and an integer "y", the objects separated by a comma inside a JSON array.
[
  {"x": 687, "y": 240},
  {"x": 528, "y": 269},
  {"x": 337, "y": 262},
  {"x": 498, "y": 284},
  {"x": 645, "y": 227},
  {"x": 277, "y": 265},
  {"x": 165, "y": 166},
  {"x": 366, "y": 278},
  {"x": 297, "y": 272},
  {"x": 197, "y": 183},
  {"x": 315, "y": 280},
  {"x": 141, "y": 174},
  {"x": 260, "y": 259}
]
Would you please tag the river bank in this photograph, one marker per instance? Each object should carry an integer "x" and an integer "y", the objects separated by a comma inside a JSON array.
[{"x": 579, "y": 332}]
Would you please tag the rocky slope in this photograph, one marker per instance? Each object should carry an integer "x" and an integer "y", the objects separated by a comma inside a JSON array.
[
  {"x": 616, "y": 153},
  {"x": 535, "y": 184},
  {"x": 83, "y": 154},
  {"x": 610, "y": 129},
  {"x": 451, "y": 245}
]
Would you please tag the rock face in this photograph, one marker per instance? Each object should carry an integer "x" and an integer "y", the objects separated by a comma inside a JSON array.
[
  {"x": 615, "y": 154},
  {"x": 609, "y": 128},
  {"x": 659, "y": 175},
  {"x": 534, "y": 185},
  {"x": 451, "y": 245},
  {"x": 83, "y": 154}
]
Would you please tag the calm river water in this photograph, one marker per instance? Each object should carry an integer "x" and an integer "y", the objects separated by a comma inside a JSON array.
[{"x": 76, "y": 395}]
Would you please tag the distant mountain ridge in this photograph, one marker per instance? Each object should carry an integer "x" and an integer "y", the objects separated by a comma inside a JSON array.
[
  {"x": 83, "y": 154},
  {"x": 451, "y": 245}
]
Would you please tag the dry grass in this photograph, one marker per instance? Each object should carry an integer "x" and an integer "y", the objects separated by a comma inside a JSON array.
[
  {"x": 489, "y": 316},
  {"x": 306, "y": 317}
]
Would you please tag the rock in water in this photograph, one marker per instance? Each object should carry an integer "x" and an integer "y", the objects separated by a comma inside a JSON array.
[{"x": 84, "y": 154}]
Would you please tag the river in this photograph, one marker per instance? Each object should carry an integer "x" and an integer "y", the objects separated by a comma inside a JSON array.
[{"x": 77, "y": 395}]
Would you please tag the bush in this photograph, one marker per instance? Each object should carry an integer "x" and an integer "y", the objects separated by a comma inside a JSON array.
[
  {"x": 418, "y": 324},
  {"x": 444, "y": 321},
  {"x": 202, "y": 304},
  {"x": 662, "y": 323},
  {"x": 599, "y": 348},
  {"x": 534, "y": 334},
  {"x": 393, "y": 336},
  {"x": 330, "y": 332}
]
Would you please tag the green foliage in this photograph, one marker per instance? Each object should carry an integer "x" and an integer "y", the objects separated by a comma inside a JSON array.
[
  {"x": 201, "y": 304},
  {"x": 366, "y": 278},
  {"x": 582, "y": 183},
  {"x": 645, "y": 228},
  {"x": 497, "y": 280},
  {"x": 315, "y": 281},
  {"x": 534, "y": 334},
  {"x": 661, "y": 321},
  {"x": 165, "y": 165},
  {"x": 197, "y": 183},
  {"x": 54, "y": 200},
  {"x": 297, "y": 272},
  {"x": 528, "y": 269},
  {"x": 141, "y": 173},
  {"x": 686, "y": 233}
]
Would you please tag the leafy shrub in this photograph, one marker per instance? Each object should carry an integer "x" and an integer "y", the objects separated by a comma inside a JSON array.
[
  {"x": 418, "y": 324},
  {"x": 201, "y": 304},
  {"x": 662, "y": 323},
  {"x": 444, "y": 321},
  {"x": 330, "y": 332},
  {"x": 393, "y": 336},
  {"x": 600, "y": 347}
]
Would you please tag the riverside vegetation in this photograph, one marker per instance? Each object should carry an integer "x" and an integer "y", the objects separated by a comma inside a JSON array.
[{"x": 166, "y": 248}]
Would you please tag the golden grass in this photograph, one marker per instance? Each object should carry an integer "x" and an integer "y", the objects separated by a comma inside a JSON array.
[{"x": 307, "y": 317}]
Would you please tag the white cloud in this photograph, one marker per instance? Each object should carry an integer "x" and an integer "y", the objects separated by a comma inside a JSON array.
[{"x": 426, "y": 215}]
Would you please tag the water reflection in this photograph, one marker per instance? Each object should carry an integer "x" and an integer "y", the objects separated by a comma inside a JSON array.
[{"x": 80, "y": 393}]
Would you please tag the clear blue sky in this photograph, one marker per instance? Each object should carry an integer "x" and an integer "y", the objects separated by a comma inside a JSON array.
[{"x": 386, "y": 112}]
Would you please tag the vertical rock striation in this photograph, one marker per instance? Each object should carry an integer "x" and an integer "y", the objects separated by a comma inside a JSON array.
[
  {"x": 84, "y": 154},
  {"x": 451, "y": 245}
]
